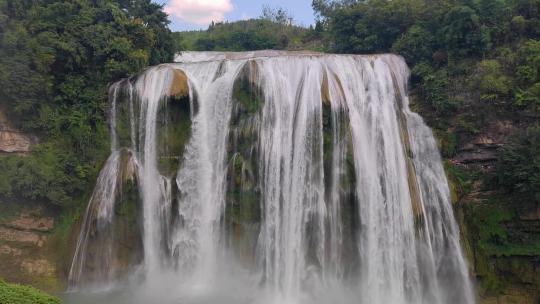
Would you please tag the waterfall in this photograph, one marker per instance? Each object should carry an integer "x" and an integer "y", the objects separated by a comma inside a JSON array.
[{"x": 273, "y": 177}]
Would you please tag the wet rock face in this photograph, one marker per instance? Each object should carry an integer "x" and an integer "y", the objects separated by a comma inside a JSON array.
[{"x": 243, "y": 194}]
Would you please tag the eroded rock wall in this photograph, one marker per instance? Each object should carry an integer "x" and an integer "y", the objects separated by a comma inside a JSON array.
[{"x": 500, "y": 240}]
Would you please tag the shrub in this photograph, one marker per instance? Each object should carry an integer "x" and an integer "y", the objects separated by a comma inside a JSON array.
[
  {"x": 434, "y": 88},
  {"x": 491, "y": 81},
  {"x": 415, "y": 45},
  {"x": 18, "y": 294}
]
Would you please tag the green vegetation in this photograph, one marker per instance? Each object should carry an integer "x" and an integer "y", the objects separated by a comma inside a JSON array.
[
  {"x": 18, "y": 294},
  {"x": 460, "y": 180},
  {"x": 519, "y": 166},
  {"x": 274, "y": 29},
  {"x": 56, "y": 60},
  {"x": 246, "y": 35},
  {"x": 247, "y": 96},
  {"x": 493, "y": 45}
]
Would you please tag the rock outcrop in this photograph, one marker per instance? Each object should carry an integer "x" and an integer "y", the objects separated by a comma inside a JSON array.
[
  {"x": 179, "y": 87},
  {"x": 483, "y": 148},
  {"x": 14, "y": 141}
]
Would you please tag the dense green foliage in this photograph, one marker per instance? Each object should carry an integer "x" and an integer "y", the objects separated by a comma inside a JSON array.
[
  {"x": 519, "y": 165},
  {"x": 471, "y": 61},
  {"x": 18, "y": 294},
  {"x": 492, "y": 44},
  {"x": 56, "y": 60}
]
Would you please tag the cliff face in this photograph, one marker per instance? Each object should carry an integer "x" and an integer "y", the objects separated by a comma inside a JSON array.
[{"x": 500, "y": 239}]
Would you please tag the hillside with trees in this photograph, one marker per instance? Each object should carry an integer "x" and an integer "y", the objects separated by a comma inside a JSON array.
[
  {"x": 275, "y": 29},
  {"x": 56, "y": 61}
]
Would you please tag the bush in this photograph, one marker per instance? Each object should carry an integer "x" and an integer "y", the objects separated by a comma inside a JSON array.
[
  {"x": 491, "y": 81},
  {"x": 462, "y": 33},
  {"x": 434, "y": 88},
  {"x": 415, "y": 45},
  {"x": 18, "y": 294},
  {"x": 528, "y": 75}
]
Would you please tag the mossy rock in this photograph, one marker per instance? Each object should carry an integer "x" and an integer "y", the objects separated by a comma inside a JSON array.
[
  {"x": 129, "y": 251},
  {"x": 174, "y": 131},
  {"x": 243, "y": 195},
  {"x": 126, "y": 106},
  {"x": 244, "y": 207},
  {"x": 173, "y": 120},
  {"x": 122, "y": 235},
  {"x": 247, "y": 96}
]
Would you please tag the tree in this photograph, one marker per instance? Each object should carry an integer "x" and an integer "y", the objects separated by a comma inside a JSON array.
[
  {"x": 462, "y": 32},
  {"x": 277, "y": 15},
  {"x": 416, "y": 45}
]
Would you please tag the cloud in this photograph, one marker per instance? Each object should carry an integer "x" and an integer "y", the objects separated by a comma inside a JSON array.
[{"x": 200, "y": 12}]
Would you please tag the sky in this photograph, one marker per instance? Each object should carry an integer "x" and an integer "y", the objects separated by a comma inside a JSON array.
[{"x": 197, "y": 14}]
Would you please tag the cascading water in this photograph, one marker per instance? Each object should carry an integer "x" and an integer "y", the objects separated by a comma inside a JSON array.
[{"x": 303, "y": 178}]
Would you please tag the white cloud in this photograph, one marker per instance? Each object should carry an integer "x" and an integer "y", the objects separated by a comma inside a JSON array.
[{"x": 200, "y": 12}]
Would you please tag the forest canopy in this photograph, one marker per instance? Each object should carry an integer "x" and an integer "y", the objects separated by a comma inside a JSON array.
[
  {"x": 496, "y": 40},
  {"x": 56, "y": 61}
]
